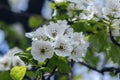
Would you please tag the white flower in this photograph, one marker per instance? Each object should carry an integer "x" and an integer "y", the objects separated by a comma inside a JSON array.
[
  {"x": 77, "y": 53},
  {"x": 88, "y": 13},
  {"x": 13, "y": 51},
  {"x": 62, "y": 46},
  {"x": 5, "y": 63},
  {"x": 16, "y": 61},
  {"x": 116, "y": 27},
  {"x": 41, "y": 50},
  {"x": 68, "y": 32},
  {"x": 56, "y": 29},
  {"x": 112, "y": 7},
  {"x": 80, "y": 45},
  {"x": 39, "y": 34}
]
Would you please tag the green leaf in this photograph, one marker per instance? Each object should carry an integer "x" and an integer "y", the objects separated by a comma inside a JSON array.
[
  {"x": 59, "y": 62},
  {"x": 91, "y": 59},
  {"x": 17, "y": 73},
  {"x": 62, "y": 65},
  {"x": 113, "y": 53},
  {"x": 81, "y": 25},
  {"x": 78, "y": 77},
  {"x": 31, "y": 74},
  {"x": 99, "y": 41},
  {"x": 26, "y": 57},
  {"x": 45, "y": 69},
  {"x": 28, "y": 49},
  {"x": 52, "y": 5},
  {"x": 39, "y": 74},
  {"x": 5, "y": 75}
]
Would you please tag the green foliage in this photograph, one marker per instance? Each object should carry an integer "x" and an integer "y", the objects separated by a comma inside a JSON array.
[
  {"x": 31, "y": 74},
  {"x": 78, "y": 77},
  {"x": 35, "y": 21},
  {"x": 17, "y": 73},
  {"x": 59, "y": 62},
  {"x": 61, "y": 10},
  {"x": 95, "y": 32},
  {"x": 91, "y": 59},
  {"x": 18, "y": 40},
  {"x": 26, "y": 57},
  {"x": 99, "y": 41},
  {"x": 5, "y": 75},
  {"x": 113, "y": 53}
]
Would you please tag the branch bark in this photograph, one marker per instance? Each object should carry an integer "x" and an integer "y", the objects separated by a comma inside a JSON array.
[{"x": 103, "y": 70}]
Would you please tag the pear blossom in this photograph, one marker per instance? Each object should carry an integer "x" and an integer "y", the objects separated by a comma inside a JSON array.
[
  {"x": 112, "y": 8},
  {"x": 80, "y": 45},
  {"x": 41, "y": 50},
  {"x": 16, "y": 61},
  {"x": 56, "y": 29},
  {"x": 115, "y": 27},
  {"x": 37, "y": 35},
  {"x": 62, "y": 47},
  {"x": 5, "y": 63},
  {"x": 61, "y": 40},
  {"x": 13, "y": 51},
  {"x": 77, "y": 53}
]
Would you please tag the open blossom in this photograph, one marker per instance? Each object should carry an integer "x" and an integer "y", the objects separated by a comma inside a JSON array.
[
  {"x": 112, "y": 7},
  {"x": 56, "y": 29},
  {"x": 10, "y": 60},
  {"x": 62, "y": 47},
  {"x": 16, "y": 61},
  {"x": 39, "y": 34},
  {"x": 5, "y": 63},
  {"x": 115, "y": 27},
  {"x": 88, "y": 13},
  {"x": 13, "y": 51},
  {"x": 80, "y": 45},
  {"x": 77, "y": 53},
  {"x": 41, "y": 50},
  {"x": 61, "y": 40}
]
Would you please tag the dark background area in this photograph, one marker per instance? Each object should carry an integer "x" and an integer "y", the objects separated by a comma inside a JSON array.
[{"x": 9, "y": 17}]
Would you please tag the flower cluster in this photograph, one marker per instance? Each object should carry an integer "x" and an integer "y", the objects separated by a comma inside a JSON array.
[
  {"x": 9, "y": 60},
  {"x": 96, "y": 10},
  {"x": 57, "y": 38},
  {"x": 95, "y": 7}
]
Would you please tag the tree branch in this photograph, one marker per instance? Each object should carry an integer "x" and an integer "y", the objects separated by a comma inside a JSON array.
[
  {"x": 113, "y": 39},
  {"x": 103, "y": 70},
  {"x": 90, "y": 67}
]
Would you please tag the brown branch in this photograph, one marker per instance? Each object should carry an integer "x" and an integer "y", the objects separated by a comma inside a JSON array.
[{"x": 103, "y": 70}]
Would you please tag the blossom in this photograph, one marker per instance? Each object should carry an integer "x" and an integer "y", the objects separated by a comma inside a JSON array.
[
  {"x": 80, "y": 45},
  {"x": 39, "y": 34},
  {"x": 16, "y": 61},
  {"x": 41, "y": 50},
  {"x": 68, "y": 32},
  {"x": 56, "y": 29},
  {"x": 62, "y": 47},
  {"x": 112, "y": 8},
  {"x": 13, "y": 51},
  {"x": 115, "y": 27},
  {"x": 5, "y": 63},
  {"x": 77, "y": 53},
  {"x": 88, "y": 13},
  {"x": 60, "y": 39}
]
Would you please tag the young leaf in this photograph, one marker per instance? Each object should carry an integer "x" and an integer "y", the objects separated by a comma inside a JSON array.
[{"x": 17, "y": 73}]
